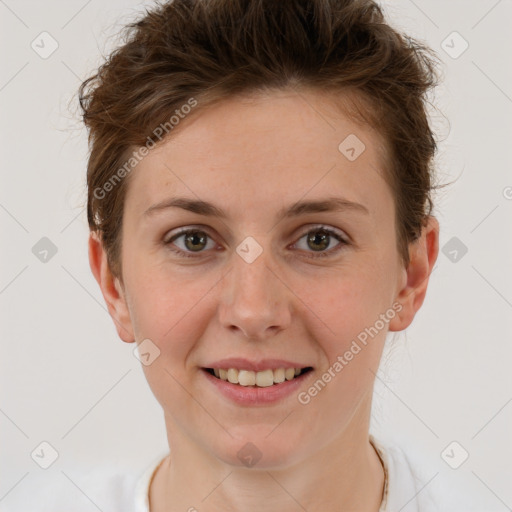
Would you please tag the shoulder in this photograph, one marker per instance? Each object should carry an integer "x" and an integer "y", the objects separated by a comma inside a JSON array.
[
  {"x": 79, "y": 489},
  {"x": 419, "y": 480}
]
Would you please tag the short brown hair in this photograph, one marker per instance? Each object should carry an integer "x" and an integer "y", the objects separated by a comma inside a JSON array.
[{"x": 211, "y": 50}]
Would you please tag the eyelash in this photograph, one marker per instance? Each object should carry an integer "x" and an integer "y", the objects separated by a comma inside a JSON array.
[{"x": 322, "y": 254}]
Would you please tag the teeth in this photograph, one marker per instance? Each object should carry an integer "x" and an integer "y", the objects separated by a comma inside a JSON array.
[
  {"x": 261, "y": 379},
  {"x": 289, "y": 373},
  {"x": 264, "y": 378},
  {"x": 279, "y": 375},
  {"x": 246, "y": 378},
  {"x": 233, "y": 376}
]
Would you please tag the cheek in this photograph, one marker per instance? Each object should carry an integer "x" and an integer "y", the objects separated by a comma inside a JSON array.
[
  {"x": 173, "y": 313},
  {"x": 347, "y": 302},
  {"x": 346, "y": 323},
  {"x": 351, "y": 333},
  {"x": 169, "y": 307}
]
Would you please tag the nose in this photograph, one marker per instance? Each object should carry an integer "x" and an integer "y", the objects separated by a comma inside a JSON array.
[{"x": 254, "y": 300}]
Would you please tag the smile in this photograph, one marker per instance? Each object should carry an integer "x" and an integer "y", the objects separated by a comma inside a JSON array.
[{"x": 264, "y": 378}]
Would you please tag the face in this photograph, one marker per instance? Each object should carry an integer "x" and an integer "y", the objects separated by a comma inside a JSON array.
[{"x": 258, "y": 284}]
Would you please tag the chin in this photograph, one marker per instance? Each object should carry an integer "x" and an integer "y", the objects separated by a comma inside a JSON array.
[{"x": 255, "y": 448}]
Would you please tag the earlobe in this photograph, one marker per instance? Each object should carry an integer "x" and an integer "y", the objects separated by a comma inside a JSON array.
[
  {"x": 423, "y": 255},
  {"x": 111, "y": 289}
]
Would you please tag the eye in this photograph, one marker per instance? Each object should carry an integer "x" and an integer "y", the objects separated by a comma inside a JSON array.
[
  {"x": 196, "y": 241},
  {"x": 319, "y": 239}
]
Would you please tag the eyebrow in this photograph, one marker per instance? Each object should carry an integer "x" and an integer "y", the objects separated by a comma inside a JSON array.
[{"x": 334, "y": 204}]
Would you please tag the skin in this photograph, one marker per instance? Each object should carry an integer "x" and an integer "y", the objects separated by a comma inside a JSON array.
[{"x": 251, "y": 157}]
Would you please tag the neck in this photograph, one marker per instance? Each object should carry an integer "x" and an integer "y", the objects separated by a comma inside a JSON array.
[{"x": 345, "y": 474}]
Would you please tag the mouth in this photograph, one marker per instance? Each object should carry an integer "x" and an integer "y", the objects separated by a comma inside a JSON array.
[{"x": 261, "y": 379}]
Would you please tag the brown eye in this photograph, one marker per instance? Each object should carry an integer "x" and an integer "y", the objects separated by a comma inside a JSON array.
[
  {"x": 319, "y": 240},
  {"x": 193, "y": 241}
]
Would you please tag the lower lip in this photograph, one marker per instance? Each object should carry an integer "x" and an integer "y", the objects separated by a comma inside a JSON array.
[{"x": 253, "y": 396}]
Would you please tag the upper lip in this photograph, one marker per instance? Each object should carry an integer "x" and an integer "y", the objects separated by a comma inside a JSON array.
[{"x": 241, "y": 363}]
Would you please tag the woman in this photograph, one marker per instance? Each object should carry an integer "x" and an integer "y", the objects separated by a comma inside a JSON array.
[{"x": 259, "y": 200}]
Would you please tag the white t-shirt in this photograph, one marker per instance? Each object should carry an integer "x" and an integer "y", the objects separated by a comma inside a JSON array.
[{"x": 411, "y": 486}]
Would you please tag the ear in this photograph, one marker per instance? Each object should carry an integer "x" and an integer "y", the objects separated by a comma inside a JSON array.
[
  {"x": 111, "y": 288},
  {"x": 423, "y": 254}
]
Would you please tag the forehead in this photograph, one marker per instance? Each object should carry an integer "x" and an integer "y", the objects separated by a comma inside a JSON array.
[{"x": 264, "y": 149}]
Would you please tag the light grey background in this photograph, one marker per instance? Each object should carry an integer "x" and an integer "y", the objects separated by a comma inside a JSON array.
[{"x": 68, "y": 380}]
